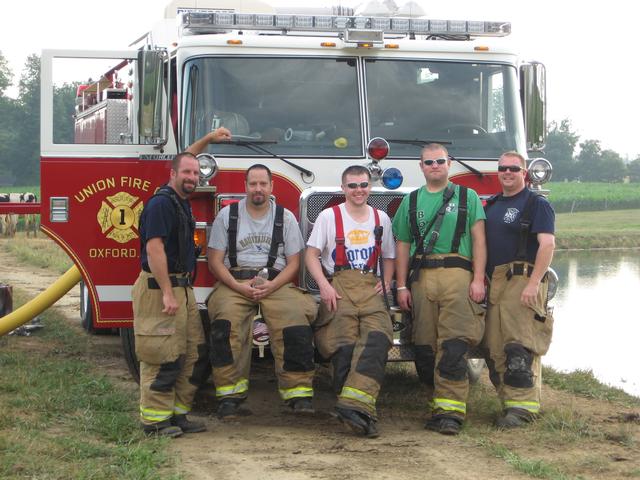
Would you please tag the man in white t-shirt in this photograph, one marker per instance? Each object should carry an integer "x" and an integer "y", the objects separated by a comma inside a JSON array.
[{"x": 353, "y": 328}]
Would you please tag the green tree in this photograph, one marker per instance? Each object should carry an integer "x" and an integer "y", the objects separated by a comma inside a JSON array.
[
  {"x": 64, "y": 98},
  {"x": 561, "y": 144},
  {"x": 612, "y": 168},
  {"x": 26, "y": 166},
  {"x": 6, "y": 75},
  {"x": 589, "y": 161},
  {"x": 633, "y": 170}
]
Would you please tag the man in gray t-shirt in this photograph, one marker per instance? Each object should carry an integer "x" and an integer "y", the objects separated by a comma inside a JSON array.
[{"x": 287, "y": 310}]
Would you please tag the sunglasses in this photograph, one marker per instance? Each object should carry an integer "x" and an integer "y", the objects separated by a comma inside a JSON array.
[
  {"x": 511, "y": 168},
  {"x": 355, "y": 185},
  {"x": 439, "y": 161}
]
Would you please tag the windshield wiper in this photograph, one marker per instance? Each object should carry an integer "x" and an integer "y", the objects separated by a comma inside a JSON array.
[
  {"x": 422, "y": 143},
  {"x": 257, "y": 146}
]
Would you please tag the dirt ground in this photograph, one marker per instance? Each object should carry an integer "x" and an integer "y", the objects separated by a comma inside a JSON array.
[{"x": 270, "y": 443}]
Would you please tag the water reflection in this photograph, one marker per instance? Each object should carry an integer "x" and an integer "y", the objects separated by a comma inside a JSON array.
[{"x": 597, "y": 324}]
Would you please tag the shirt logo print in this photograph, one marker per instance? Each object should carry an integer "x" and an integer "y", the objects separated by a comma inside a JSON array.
[{"x": 511, "y": 215}]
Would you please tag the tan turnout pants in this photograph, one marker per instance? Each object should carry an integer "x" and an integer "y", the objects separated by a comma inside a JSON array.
[
  {"x": 446, "y": 325},
  {"x": 288, "y": 313},
  {"x": 356, "y": 338},
  {"x": 516, "y": 337},
  {"x": 171, "y": 349}
]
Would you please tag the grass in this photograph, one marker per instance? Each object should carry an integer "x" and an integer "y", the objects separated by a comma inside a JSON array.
[
  {"x": 607, "y": 229},
  {"x": 533, "y": 468},
  {"x": 39, "y": 252},
  {"x": 583, "y": 383},
  {"x": 29, "y": 188},
  {"x": 60, "y": 418},
  {"x": 593, "y": 196}
]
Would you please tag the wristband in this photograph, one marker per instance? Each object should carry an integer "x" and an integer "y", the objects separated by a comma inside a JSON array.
[{"x": 401, "y": 288}]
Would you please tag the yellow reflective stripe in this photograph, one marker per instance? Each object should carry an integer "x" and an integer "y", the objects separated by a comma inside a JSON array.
[
  {"x": 155, "y": 415},
  {"x": 450, "y": 405},
  {"x": 296, "y": 392},
  {"x": 533, "y": 407},
  {"x": 181, "y": 409},
  {"x": 358, "y": 395},
  {"x": 241, "y": 387}
]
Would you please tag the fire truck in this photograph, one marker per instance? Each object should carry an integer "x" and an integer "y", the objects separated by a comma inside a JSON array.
[{"x": 306, "y": 92}]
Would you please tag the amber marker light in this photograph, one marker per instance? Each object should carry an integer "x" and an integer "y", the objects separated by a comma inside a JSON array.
[
  {"x": 365, "y": 45},
  {"x": 200, "y": 239},
  {"x": 234, "y": 42},
  {"x": 328, "y": 44},
  {"x": 481, "y": 48},
  {"x": 391, "y": 45}
]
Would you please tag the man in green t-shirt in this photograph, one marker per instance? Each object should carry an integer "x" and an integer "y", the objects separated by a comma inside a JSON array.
[{"x": 442, "y": 283}]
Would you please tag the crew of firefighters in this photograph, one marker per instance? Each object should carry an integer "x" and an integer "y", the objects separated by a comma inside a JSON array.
[{"x": 473, "y": 278}]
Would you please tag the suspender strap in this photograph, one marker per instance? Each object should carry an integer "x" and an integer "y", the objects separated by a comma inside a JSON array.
[
  {"x": 277, "y": 236},
  {"x": 461, "y": 223},
  {"x": 413, "y": 218},
  {"x": 372, "y": 263},
  {"x": 233, "y": 235},
  {"x": 341, "y": 252},
  {"x": 436, "y": 223},
  {"x": 525, "y": 226}
]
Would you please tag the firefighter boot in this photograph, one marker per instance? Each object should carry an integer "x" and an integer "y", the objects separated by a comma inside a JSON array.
[
  {"x": 302, "y": 405},
  {"x": 186, "y": 425},
  {"x": 228, "y": 409},
  {"x": 444, "y": 424},
  {"x": 163, "y": 429},
  {"x": 360, "y": 423},
  {"x": 514, "y": 418}
]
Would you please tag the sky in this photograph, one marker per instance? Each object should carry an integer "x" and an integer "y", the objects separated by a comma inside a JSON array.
[{"x": 589, "y": 50}]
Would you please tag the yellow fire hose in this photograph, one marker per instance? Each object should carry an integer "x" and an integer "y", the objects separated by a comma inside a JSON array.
[{"x": 40, "y": 303}]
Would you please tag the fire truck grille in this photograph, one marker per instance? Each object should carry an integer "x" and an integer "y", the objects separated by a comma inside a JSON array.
[{"x": 315, "y": 202}]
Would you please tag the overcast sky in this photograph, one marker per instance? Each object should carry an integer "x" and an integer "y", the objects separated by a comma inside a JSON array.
[{"x": 589, "y": 51}]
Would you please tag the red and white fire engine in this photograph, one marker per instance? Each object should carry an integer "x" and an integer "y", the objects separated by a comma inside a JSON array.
[{"x": 307, "y": 93}]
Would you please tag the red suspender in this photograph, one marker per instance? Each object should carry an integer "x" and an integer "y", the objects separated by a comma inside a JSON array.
[{"x": 341, "y": 251}]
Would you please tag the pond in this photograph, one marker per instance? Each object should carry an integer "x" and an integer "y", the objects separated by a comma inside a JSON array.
[{"x": 597, "y": 319}]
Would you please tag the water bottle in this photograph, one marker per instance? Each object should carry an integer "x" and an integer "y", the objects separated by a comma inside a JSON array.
[{"x": 261, "y": 277}]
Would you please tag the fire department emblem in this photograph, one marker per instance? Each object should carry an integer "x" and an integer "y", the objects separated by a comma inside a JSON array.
[
  {"x": 510, "y": 215},
  {"x": 119, "y": 216}
]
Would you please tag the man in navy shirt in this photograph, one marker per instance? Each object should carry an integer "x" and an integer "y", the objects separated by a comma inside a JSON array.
[
  {"x": 520, "y": 243},
  {"x": 170, "y": 341}
]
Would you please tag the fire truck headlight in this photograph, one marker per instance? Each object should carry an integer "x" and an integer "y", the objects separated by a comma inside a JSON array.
[
  {"x": 540, "y": 171},
  {"x": 208, "y": 167},
  {"x": 392, "y": 178},
  {"x": 552, "y": 285}
]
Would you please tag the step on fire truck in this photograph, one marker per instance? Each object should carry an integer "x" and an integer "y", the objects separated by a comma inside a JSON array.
[{"x": 307, "y": 93}]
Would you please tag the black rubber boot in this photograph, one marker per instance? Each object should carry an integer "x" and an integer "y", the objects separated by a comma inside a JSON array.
[
  {"x": 186, "y": 425},
  {"x": 163, "y": 429}
]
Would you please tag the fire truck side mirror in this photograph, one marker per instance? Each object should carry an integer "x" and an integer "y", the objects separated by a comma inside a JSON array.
[
  {"x": 533, "y": 94},
  {"x": 153, "y": 111}
]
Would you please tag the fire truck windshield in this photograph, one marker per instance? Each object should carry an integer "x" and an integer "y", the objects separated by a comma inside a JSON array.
[
  {"x": 474, "y": 106},
  {"x": 309, "y": 106}
]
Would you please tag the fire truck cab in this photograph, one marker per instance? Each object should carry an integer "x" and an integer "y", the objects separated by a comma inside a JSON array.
[{"x": 303, "y": 92}]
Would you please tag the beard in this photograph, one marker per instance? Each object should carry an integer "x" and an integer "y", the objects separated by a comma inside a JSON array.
[
  {"x": 258, "y": 199},
  {"x": 187, "y": 187}
]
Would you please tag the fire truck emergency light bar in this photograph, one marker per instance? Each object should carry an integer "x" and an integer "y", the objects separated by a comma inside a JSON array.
[{"x": 217, "y": 21}]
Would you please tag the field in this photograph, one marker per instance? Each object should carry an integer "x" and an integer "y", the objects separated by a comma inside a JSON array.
[
  {"x": 592, "y": 196},
  {"x": 68, "y": 409}
]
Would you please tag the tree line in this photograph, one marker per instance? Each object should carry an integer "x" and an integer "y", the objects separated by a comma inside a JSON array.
[{"x": 20, "y": 136}]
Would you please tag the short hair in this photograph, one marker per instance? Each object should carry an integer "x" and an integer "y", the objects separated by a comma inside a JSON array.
[
  {"x": 430, "y": 147},
  {"x": 175, "y": 163},
  {"x": 257, "y": 166},
  {"x": 512, "y": 153},
  {"x": 355, "y": 170}
]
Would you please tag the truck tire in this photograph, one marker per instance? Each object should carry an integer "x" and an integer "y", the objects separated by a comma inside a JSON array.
[
  {"x": 86, "y": 312},
  {"x": 474, "y": 369},
  {"x": 129, "y": 350}
]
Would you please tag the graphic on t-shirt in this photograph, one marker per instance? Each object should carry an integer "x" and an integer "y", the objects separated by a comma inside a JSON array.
[
  {"x": 511, "y": 215},
  {"x": 452, "y": 208}
]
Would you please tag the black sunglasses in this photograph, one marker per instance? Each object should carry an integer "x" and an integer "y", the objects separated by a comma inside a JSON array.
[
  {"x": 439, "y": 161},
  {"x": 511, "y": 168},
  {"x": 354, "y": 185}
]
